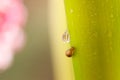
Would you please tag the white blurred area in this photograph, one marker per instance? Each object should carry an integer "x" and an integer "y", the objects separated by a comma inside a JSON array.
[
  {"x": 12, "y": 14},
  {"x": 34, "y": 61}
]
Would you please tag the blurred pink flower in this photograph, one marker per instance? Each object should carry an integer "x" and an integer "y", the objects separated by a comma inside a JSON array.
[{"x": 12, "y": 19}]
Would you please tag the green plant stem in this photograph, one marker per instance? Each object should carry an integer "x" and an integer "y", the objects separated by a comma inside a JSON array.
[{"x": 94, "y": 27}]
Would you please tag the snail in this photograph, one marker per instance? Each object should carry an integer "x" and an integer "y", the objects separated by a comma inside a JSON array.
[{"x": 69, "y": 52}]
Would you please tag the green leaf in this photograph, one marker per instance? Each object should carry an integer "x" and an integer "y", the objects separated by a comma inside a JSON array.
[{"x": 94, "y": 27}]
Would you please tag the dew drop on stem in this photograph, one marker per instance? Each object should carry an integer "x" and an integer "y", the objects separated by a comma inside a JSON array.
[{"x": 66, "y": 37}]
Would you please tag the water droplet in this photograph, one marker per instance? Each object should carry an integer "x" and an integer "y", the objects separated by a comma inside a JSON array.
[
  {"x": 71, "y": 11},
  {"x": 92, "y": 15},
  {"x": 95, "y": 53},
  {"x": 111, "y": 7},
  {"x": 93, "y": 1},
  {"x": 107, "y": 0},
  {"x": 111, "y": 16},
  {"x": 95, "y": 14},
  {"x": 66, "y": 37}
]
